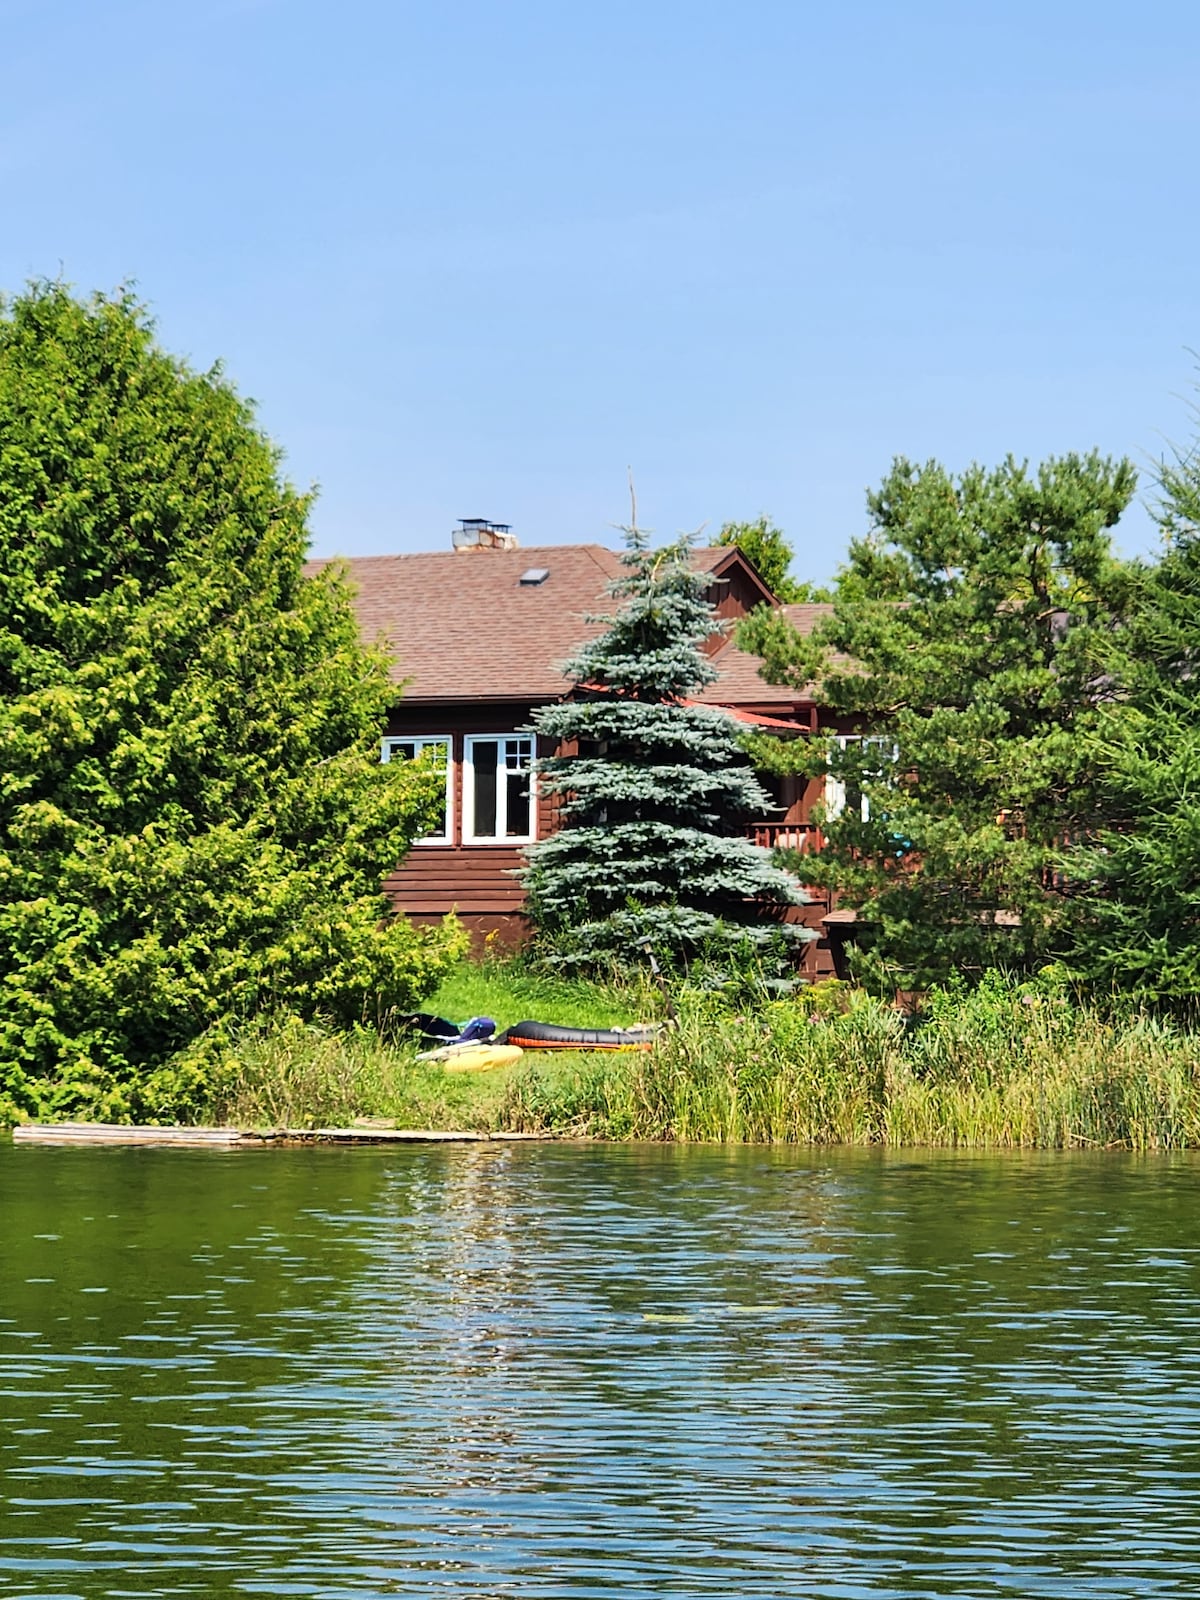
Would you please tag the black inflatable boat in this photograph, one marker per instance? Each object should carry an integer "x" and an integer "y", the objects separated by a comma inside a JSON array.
[{"x": 548, "y": 1036}]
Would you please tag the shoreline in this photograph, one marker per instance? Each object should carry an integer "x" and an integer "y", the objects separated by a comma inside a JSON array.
[
  {"x": 201, "y": 1138},
  {"x": 112, "y": 1135},
  {"x": 1007, "y": 1066}
]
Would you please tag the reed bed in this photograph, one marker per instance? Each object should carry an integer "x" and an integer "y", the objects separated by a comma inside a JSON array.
[
  {"x": 283, "y": 1073},
  {"x": 1003, "y": 1066},
  {"x": 1020, "y": 1070},
  {"x": 1007, "y": 1066}
]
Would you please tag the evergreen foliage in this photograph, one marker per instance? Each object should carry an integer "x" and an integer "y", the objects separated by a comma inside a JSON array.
[
  {"x": 657, "y": 796},
  {"x": 973, "y": 623},
  {"x": 1139, "y": 878},
  {"x": 194, "y": 822},
  {"x": 766, "y": 547}
]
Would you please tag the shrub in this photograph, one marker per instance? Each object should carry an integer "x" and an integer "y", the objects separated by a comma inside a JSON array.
[{"x": 194, "y": 822}]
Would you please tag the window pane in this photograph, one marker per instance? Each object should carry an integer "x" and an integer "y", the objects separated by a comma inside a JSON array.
[
  {"x": 518, "y": 761},
  {"x": 518, "y": 755},
  {"x": 438, "y": 752},
  {"x": 518, "y": 805},
  {"x": 484, "y": 757}
]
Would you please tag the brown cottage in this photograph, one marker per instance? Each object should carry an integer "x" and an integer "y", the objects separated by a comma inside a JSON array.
[{"x": 478, "y": 635}]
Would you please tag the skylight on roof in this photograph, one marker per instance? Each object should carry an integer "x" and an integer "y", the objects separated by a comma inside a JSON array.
[{"x": 532, "y": 576}]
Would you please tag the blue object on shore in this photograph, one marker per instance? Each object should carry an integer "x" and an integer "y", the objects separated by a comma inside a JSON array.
[{"x": 478, "y": 1028}]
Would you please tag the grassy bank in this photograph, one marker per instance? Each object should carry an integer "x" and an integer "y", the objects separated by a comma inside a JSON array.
[
  {"x": 1011, "y": 1071},
  {"x": 284, "y": 1073},
  {"x": 1006, "y": 1066}
]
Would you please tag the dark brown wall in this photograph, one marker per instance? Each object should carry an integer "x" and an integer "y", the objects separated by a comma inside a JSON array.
[
  {"x": 734, "y": 594},
  {"x": 477, "y": 881},
  {"x": 475, "y": 878},
  {"x": 486, "y": 930},
  {"x": 440, "y": 878},
  {"x": 731, "y": 596}
]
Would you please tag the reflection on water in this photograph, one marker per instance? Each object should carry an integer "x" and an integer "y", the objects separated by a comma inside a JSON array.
[{"x": 554, "y": 1371}]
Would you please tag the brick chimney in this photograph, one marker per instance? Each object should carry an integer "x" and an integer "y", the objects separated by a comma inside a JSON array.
[{"x": 479, "y": 533}]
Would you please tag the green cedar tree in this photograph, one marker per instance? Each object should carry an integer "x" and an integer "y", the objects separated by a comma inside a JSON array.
[{"x": 194, "y": 821}]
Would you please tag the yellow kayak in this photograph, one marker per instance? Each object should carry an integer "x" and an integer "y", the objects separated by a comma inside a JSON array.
[{"x": 482, "y": 1057}]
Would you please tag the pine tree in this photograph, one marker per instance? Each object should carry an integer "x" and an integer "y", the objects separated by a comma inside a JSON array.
[
  {"x": 656, "y": 796},
  {"x": 1138, "y": 879},
  {"x": 968, "y": 636}
]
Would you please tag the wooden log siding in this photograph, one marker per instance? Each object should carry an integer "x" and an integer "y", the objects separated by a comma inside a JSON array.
[
  {"x": 476, "y": 880},
  {"x": 731, "y": 598},
  {"x": 434, "y": 879}
]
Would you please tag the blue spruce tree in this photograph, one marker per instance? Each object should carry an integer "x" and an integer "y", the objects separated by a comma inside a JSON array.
[{"x": 655, "y": 801}]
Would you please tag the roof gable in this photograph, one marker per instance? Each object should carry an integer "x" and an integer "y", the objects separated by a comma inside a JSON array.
[{"x": 740, "y": 684}]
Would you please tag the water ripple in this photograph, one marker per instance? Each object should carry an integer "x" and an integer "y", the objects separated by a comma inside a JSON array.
[{"x": 555, "y": 1371}]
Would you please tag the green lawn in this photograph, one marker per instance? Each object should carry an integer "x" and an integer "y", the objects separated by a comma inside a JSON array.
[{"x": 511, "y": 994}]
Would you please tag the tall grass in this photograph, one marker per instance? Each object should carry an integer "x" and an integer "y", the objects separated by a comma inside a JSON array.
[
  {"x": 1004, "y": 1066},
  {"x": 279, "y": 1072},
  {"x": 291, "y": 1075},
  {"x": 1020, "y": 1070}
]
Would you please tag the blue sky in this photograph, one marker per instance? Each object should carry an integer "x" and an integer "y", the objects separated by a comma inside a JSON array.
[{"x": 478, "y": 258}]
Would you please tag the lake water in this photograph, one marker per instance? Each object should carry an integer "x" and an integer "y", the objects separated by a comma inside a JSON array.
[{"x": 541, "y": 1370}]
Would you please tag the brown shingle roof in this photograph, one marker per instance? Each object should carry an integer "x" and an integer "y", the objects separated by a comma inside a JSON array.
[
  {"x": 740, "y": 684},
  {"x": 804, "y": 618},
  {"x": 460, "y": 625}
]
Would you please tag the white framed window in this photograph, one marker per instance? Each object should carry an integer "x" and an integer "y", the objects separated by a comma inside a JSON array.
[
  {"x": 438, "y": 748},
  {"x": 498, "y": 789},
  {"x": 838, "y": 793}
]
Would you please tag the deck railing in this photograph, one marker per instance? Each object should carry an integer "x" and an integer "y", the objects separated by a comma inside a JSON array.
[{"x": 804, "y": 837}]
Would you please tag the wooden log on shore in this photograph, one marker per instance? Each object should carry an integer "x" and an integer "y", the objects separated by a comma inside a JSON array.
[
  {"x": 113, "y": 1133},
  {"x": 374, "y": 1136},
  {"x": 118, "y": 1133}
]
